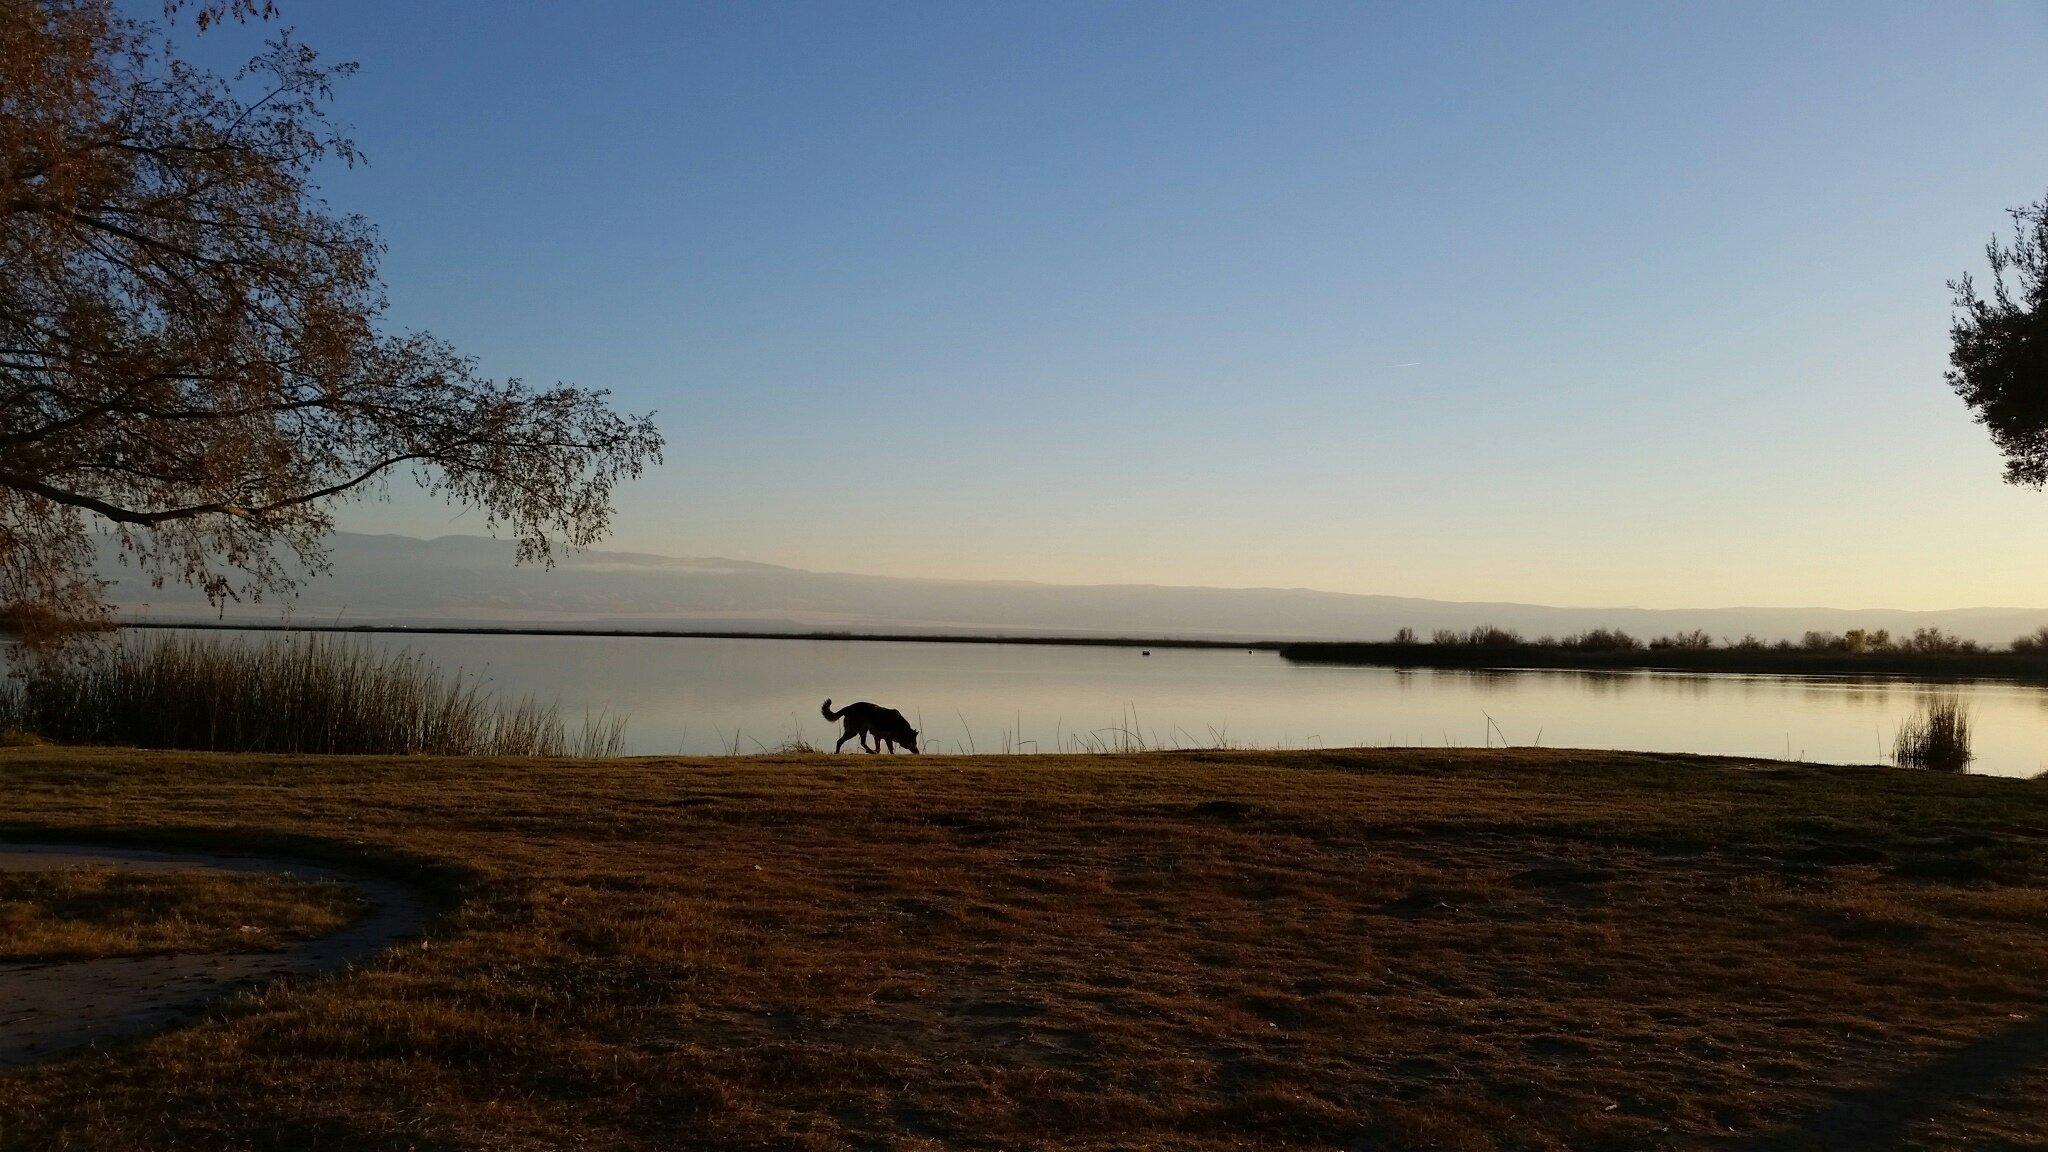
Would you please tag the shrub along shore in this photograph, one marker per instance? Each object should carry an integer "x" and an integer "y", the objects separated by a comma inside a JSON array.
[{"x": 1927, "y": 653}]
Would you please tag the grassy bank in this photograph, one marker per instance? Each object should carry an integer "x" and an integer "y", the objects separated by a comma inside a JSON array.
[
  {"x": 91, "y": 913},
  {"x": 2001, "y": 664},
  {"x": 1361, "y": 949}
]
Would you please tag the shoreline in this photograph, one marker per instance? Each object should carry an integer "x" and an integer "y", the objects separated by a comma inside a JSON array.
[
  {"x": 2000, "y": 665},
  {"x": 713, "y": 634}
]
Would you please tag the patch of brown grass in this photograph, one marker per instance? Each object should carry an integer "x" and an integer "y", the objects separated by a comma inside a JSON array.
[
  {"x": 94, "y": 912},
  {"x": 1347, "y": 949}
]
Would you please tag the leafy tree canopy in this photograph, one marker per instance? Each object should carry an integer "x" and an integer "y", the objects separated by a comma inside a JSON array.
[{"x": 1998, "y": 358}]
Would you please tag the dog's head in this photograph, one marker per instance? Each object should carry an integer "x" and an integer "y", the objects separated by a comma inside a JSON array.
[{"x": 910, "y": 741}]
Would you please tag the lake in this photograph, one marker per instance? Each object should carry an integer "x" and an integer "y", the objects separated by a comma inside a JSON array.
[{"x": 704, "y": 696}]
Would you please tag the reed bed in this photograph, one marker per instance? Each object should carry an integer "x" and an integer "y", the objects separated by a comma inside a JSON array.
[
  {"x": 1936, "y": 738},
  {"x": 304, "y": 694}
]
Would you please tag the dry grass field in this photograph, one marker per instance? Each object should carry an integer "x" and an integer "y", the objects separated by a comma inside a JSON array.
[
  {"x": 89, "y": 913},
  {"x": 1349, "y": 950}
]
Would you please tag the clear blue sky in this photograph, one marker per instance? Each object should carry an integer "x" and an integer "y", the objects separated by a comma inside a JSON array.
[{"x": 1582, "y": 304}]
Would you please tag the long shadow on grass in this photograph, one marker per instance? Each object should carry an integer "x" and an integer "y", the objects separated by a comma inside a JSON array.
[{"x": 1877, "y": 1117}]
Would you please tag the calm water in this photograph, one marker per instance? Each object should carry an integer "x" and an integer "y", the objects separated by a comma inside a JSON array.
[{"x": 708, "y": 696}]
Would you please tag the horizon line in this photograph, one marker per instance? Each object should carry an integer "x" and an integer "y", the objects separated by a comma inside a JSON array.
[{"x": 1142, "y": 584}]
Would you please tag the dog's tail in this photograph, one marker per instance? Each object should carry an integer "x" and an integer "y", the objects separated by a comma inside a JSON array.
[{"x": 826, "y": 708}]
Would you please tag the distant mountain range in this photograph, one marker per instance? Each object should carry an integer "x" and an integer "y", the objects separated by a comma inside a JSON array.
[{"x": 472, "y": 580}]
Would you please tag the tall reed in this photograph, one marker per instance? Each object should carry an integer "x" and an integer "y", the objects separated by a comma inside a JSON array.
[
  {"x": 301, "y": 694},
  {"x": 1937, "y": 737}
]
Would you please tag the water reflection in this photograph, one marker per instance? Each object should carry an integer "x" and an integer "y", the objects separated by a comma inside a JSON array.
[{"x": 711, "y": 696}]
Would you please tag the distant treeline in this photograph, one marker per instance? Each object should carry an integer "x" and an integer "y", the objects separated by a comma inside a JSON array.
[{"x": 1924, "y": 652}]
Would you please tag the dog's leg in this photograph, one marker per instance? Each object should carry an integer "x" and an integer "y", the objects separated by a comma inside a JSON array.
[{"x": 843, "y": 738}]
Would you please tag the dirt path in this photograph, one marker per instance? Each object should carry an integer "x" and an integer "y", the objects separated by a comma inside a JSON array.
[{"x": 50, "y": 1008}]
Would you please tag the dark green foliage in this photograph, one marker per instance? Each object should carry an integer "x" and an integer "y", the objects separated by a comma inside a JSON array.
[{"x": 1998, "y": 357}]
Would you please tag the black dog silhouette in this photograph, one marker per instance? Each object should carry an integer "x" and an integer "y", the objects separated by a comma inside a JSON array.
[{"x": 863, "y": 719}]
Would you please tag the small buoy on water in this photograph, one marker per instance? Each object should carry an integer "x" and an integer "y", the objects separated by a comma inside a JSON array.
[{"x": 1146, "y": 652}]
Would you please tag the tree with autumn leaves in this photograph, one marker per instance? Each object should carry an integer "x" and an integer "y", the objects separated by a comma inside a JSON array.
[{"x": 194, "y": 355}]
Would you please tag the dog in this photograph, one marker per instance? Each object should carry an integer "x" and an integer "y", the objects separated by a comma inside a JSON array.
[{"x": 863, "y": 719}]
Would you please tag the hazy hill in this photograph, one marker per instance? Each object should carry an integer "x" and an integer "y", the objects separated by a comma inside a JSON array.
[{"x": 471, "y": 579}]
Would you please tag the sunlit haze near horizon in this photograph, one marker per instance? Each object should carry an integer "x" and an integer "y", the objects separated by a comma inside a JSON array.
[{"x": 1591, "y": 305}]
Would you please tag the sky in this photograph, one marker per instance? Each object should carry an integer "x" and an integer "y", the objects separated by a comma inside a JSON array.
[{"x": 1578, "y": 304}]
